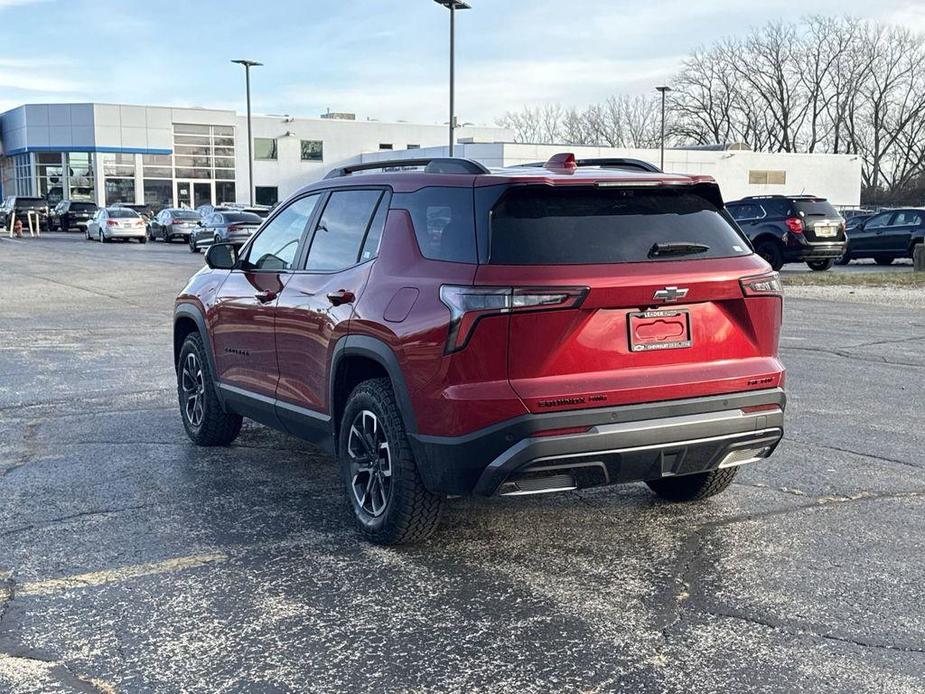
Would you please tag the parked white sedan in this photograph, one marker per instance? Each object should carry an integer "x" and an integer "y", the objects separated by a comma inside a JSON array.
[{"x": 117, "y": 223}]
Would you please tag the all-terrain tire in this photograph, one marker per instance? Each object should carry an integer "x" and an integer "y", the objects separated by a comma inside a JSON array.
[
  {"x": 411, "y": 512},
  {"x": 693, "y": 487},
  {"x": 216, "y": 427}
]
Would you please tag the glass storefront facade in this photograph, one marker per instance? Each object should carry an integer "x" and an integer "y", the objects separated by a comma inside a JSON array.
[{"x": 200, "y": 170}]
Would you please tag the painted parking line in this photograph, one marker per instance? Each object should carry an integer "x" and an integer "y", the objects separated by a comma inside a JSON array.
[{"x": 99, "y": 578}]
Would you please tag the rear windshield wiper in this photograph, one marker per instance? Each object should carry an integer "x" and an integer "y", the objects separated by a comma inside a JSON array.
[{"x": 662, "y": 249}]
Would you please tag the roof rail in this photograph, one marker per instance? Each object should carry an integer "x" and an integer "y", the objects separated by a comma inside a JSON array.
[
  {"x": 434, "y": 165},
  {"x": 567, "y": 160}
]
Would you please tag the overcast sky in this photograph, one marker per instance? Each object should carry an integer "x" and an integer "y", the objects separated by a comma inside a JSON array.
[{"x": 384, "y": 59}]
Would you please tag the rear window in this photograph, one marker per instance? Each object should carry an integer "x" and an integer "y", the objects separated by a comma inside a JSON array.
[
  {"x": 184, "y": 214},
  {"x": 443, "y": 222},
  {"x": 815, "y": 208},
  {"x": 246, "y": 217},
  {"x": 122, "y": 213},
  {"x": 83, "y": 206},
  {"x": 30, "y": 202},
  {"x": 543, "y": 226}
]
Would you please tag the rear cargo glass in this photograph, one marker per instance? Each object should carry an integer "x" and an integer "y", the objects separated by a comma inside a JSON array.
[
  {"x": 242, "y": 217},
  {"x": 30, "y": 202},
  {"x": 122, "y": 213},
  {"x": 545, "y": 226},
  {"x": 83, "y": 206},
  {"x": 815, "y": 208}
]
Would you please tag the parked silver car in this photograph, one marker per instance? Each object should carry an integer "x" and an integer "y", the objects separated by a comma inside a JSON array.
[
  {"x": 117, "y": 223},
  {"x": 173, "y": 223}
]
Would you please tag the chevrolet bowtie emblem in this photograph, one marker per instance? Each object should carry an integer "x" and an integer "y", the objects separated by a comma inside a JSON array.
[{"x": 670, "y": 294}]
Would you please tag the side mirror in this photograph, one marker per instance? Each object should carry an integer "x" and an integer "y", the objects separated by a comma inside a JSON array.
[{"x": 222, "y": 256}]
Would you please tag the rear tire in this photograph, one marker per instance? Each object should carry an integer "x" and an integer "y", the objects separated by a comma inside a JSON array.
[
  {"x": 383, "y": 487},
  {"x": 771, "y": 252},
  {"x": 820, "y": 265},
  {"x": 693, "y": 487},
  {"x": 206, "y": 423},
  {"x": 884, "y": 260},
  {"x": 192, "y": 245},
  {"x": 844, "y": 260}
]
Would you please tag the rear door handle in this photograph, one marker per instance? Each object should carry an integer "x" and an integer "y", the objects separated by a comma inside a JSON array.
[
  {"x": 265, "y": 295},
  {"x": 341, "y": 296}
]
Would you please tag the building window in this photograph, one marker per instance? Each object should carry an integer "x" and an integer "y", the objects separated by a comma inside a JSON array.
[
  {"x": 225, "y": 192},
  {"x": 312, "y": 150},
  {"x": 120, "y": 190},
  {"x": 158, "y": 193},
  {"x": 80, "y": 176},
  {"x": 266, "y": 195},
  {"x": 385, "y": 145},
  {"x": 414, "y": 146},
  {"x": 201, "y": 151},
  {"x": 119, "y": 165},
  {"x": 264, "y": 148},
  {"x": 23, "y": 172},
  {"x": 773, "y": 178},
  {"x": 49, "y": 172},
  {"x": 157, "y": 166}
]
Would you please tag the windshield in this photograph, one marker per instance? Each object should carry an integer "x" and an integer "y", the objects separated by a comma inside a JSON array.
[
  {"x": 541, "y": 226},
  {"x": 184, "y": 214}
]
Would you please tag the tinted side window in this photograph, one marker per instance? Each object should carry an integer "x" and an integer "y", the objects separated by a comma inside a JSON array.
[
  {"x": 881, "y": 220},
  {"x": 444, "y": 222},
  {"x": 341, "y": 230},
  {"x": 907, "y": 218},
  {"x": 274, "y": 248},
  {"x": 374, "y": 236}
]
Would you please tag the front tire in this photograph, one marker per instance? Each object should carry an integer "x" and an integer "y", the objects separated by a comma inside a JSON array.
[
  {"x": 771, "y": 252},
  {"x": 384, "y": 489},
  {"x": 844, "y": 260},
  {"x": 693, "y": 487},
  {"x": 192, "y": 245},
  {"x": 820, "y": 265},
  {"x": 206, "y": 423}
]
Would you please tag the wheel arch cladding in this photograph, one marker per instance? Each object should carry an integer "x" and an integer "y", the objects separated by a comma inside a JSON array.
[
  {"x": 188, "y": 319},
  {"x": 357, "y": 358}
]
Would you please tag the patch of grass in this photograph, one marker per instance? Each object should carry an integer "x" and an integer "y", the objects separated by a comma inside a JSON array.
[{"x": 855, "y": 279}]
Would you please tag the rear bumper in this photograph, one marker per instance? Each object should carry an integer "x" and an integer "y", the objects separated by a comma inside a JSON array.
[
  {"x": 817, "y": 251},
  {"x": 621, "y": 444}
]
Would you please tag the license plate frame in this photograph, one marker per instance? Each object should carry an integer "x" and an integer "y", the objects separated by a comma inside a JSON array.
[
  {"x": 637, "y": 319},
  {"x": 826, "y": 231}
]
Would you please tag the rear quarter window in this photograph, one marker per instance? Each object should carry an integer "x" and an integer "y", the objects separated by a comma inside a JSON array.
[
  {"x": 444, "y": 222},
  {"x": 543, "y": 226}
]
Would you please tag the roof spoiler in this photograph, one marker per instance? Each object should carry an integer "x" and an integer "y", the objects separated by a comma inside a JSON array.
[
  {"x": 567, "y": 161},
  {"x": 432, "y": 165}
]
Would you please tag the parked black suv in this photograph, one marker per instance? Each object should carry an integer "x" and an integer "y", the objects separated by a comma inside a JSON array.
[
  {"x": 886, "y": 236},
  {"x": 69, "y": 214},
  {"x": 21, "y": 205},
  {"x": 791, "y": 229}
]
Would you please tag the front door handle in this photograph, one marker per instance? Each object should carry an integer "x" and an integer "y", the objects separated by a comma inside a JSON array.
[
  {"x": 341, "y": 296},
  {"x": 265, "y": 295}
]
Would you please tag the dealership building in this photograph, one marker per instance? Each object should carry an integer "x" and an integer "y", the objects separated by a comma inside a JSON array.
[{"x": 162, "y": 156}]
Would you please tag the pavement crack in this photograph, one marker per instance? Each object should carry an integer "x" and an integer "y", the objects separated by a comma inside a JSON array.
[
  {"x": 793, "y": 630},
  {"x": 73, "y": 516},
  {"x": 899, "y": 340},
  {"x": 848, "y": 355},
  {"x": 862, "y": 454}
]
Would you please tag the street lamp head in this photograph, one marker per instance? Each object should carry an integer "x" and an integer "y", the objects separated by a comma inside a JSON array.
[
  {"x": 247, "y": 63},
  {"x": 454, "y": 4},
  {"x": 663, "y": 89}
]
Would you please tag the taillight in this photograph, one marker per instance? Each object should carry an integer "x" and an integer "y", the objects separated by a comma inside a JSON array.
[
  {"x": 795, "y": 224},
  {"x": 112, "y": 223},
  {"x": 468, "y": 305},
  {"x": 762, "y": 285}
]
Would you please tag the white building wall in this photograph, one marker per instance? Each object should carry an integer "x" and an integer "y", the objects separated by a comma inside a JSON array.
[
  {"x": 343, "y": 141},
  {"x": 836, "y": 177}
]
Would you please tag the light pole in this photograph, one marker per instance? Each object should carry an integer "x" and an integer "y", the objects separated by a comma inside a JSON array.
[
  {"x": 452, "y": 6},
  {"x": 663, "y": 90},
  {"x": 248, "y": 64}
]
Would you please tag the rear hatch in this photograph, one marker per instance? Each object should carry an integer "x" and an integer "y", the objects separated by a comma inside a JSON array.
[
  {"x": 821, "y": 221},
  {"x": 656, "y": 307}
]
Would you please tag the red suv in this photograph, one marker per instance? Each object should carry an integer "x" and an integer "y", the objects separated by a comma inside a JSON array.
[{"x": 459, "y": 330}]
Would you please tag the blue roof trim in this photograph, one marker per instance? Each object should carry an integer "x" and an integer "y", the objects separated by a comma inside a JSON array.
[{"x": 100, "y": 150}]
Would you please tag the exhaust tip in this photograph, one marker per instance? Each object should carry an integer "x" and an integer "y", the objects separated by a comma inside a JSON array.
[{"x": 538, "y": 485}]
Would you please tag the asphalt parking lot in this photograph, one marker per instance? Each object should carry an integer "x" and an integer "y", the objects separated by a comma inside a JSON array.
[{"x": 132, "y": 561}]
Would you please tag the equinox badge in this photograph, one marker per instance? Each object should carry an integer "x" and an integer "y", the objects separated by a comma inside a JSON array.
[{"x": 670, "y": 294}]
